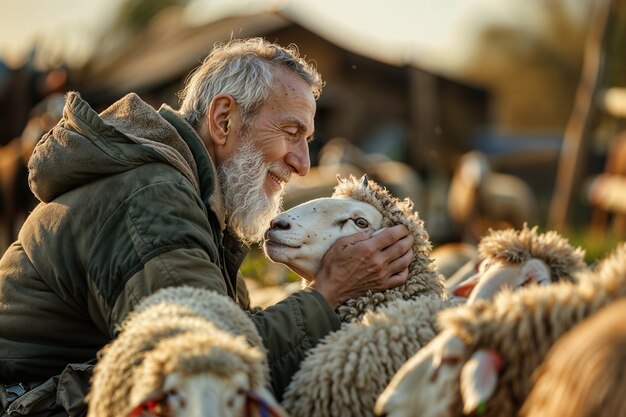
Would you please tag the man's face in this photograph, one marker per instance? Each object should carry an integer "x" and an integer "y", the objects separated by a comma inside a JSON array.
[
  {"x": 283, "y": 127},
  {"x": 267, "y": 152}
]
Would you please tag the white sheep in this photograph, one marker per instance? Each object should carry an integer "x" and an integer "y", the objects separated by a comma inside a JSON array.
[
  {"x": 595, "y": 349},
  {"x": 184, "y": 352},
  {"x": 300, "y": 237},
  {"x": 515, "y": 258},
  {"x": 482, "y": 361}
]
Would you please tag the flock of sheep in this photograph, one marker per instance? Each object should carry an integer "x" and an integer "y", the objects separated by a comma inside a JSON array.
[{"x": 494, "y": 345}]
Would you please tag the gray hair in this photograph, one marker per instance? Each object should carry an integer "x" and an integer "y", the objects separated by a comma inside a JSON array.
[{"x": 244, "y": 69}]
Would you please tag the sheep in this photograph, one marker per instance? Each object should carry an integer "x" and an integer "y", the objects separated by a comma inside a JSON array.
[
  {"x": 515, "y": 258},
  {"x": 502, "y": 342},
  {"x": 182, "y": 352},
  {"x": 300, "y": 237},
  {"x": 479, "y": 198},
  {"x": 596, "y": 348}
]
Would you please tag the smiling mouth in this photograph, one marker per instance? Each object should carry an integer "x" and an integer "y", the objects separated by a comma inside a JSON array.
[{"x": 278, "y": 180}]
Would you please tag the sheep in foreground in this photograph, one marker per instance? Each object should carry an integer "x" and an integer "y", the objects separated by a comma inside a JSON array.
[
  {"x": 482, "y": 361},
  {"x": 595, "y": 349},
  {"x": 183, "y": 352},
  {"x": 516, "y": 258},
  {"x": 300, "y": 237},
  {"x": 347, "y": 371}
]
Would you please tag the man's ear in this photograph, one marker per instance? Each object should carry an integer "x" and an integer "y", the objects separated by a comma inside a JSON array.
[{"x": 220, "y": 116}]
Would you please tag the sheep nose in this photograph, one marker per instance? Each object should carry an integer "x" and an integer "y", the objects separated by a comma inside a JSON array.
[{"x": 280, "y": 224}]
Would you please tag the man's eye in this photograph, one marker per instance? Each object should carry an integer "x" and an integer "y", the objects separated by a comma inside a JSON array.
[
  {"x": 361, "y": 222},
  {"x": 291, "y": 132}
]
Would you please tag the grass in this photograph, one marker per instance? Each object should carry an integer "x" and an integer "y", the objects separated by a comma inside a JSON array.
[
  {"x": 597, "y": 246},
  {"x": 260, "y": 269}
]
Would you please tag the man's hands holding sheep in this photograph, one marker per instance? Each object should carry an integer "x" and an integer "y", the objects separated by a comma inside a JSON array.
[{"x": 362, "y": 262}]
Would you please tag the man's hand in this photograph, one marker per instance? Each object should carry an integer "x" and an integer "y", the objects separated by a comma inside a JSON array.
[{"x": 360, "y": 262}]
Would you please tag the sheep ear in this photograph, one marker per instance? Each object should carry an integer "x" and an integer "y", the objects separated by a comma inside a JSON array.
[
  {"x": 449, "y": 349},
  {"x": 535, "y": 270},
  {"x": 479, "y": 378},
  {"x": 465, "y": 288},
  {"x": 364, "y": 181},
  {"x": 264, "y": 403}
]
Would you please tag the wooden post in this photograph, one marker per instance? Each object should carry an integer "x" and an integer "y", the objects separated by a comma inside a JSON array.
[
  {"x": 424, "y": 119},
  {"x": 577, "y": 134}
]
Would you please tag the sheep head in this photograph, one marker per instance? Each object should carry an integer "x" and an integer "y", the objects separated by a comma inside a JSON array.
[
  {"x": 493, "y": 276},
  {"x": 300, "y": 237},
  {"x": 195, "y": 374},
  {"x": 209, "y": 395},
  {"x": 516, "y": 258},
  {"x": 440, "y": 380}
]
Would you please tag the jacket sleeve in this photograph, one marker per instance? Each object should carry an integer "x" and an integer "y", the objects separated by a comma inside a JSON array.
[
  {"x": 191, "y": 267},
  {"x": 289, "y": 329}
]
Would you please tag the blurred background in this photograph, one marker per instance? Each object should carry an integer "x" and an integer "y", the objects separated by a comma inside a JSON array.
[{"x": 486, "y": 113}]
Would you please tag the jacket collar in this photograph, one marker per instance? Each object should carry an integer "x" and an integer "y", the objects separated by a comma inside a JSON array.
[{"x": 210, "y": 190}]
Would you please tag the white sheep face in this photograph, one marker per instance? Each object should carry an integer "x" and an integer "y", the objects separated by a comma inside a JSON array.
[
  {"x": 428, "y": 382},
  {"x": 207, "y": 395},
  {"x": 493, "y": 276},
  {"x": 300, "y": 237},
  {"x": 441, "y": 378}
]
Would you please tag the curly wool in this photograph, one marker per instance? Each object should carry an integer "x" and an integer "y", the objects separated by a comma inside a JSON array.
[
  {"x": 423, "y": 277},
  {"x": 176, "y": 329},
  {"x": 522, "y": 326},
  {"x": 210, "y": 305},
  {"x": 596, "y": 348},
  {"x": 518, "y": 246},
  {"x": 347, "y": 371}
]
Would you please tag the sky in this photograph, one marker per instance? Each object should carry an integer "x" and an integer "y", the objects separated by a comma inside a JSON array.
[
  {"x": 435, "y": 34},
  {"x": 71, "y": 26}
]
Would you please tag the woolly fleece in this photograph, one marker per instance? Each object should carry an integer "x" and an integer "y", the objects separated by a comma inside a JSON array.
[
  {"x": 347, "y": 371},
  {"x": 596, "y": 348}
]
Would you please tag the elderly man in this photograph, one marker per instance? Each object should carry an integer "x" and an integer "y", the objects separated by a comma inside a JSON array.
[{"x": 134, "y": 200}]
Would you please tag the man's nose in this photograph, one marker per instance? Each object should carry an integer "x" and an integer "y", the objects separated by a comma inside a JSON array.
[{"x": 298, "y": 159}]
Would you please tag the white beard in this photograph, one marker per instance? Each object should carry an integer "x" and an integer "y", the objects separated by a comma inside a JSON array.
[{"x": 248, "y": 207}]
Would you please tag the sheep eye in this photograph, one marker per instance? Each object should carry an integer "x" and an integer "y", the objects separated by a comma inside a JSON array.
[{"x": 361, "y": 222}]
